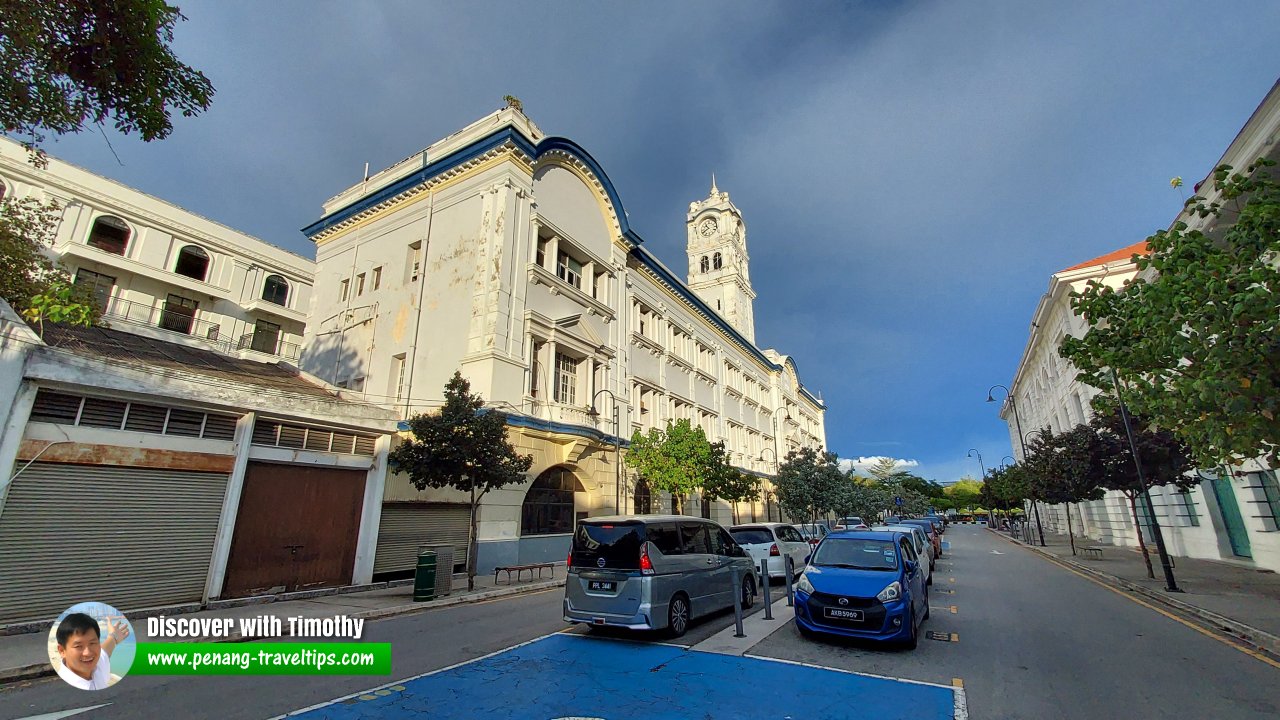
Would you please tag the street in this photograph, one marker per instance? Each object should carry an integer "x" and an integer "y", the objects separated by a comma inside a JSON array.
[{"x": 1024, "y": 637}]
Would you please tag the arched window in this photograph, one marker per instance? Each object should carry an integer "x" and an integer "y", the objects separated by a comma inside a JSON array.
[
  {"x": 716, "y": 262},
  {"x": 276, "y": 290},
  {"x": 704, "y": 265},
  {"x": 110, "y": 234},
  {"x": 192, "y": 262},
  {"x": 642, "y": 500},
  {"x": 548, "y": 506}
]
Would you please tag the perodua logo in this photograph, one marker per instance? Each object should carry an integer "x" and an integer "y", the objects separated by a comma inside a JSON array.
[
  {"x": 600, "y": 562},
  {"x": 844, "y": 601}
]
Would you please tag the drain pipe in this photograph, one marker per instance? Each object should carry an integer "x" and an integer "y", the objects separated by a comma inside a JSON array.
[{"x": 422, "y": 285}]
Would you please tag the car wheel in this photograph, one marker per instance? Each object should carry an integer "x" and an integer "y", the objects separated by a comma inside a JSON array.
[
  {"x": 914, "y": 639},
  {"x": 748, "y": 593},
  {"x": 678, "y": 616}
]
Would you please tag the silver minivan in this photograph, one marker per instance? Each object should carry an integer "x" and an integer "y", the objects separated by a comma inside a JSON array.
[{"x": 653, "y": 572}]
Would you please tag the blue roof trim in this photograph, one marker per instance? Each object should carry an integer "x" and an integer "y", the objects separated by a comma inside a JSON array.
[
  {"x": 565, "y": 428},
  {"x": 418, "y": 177}
]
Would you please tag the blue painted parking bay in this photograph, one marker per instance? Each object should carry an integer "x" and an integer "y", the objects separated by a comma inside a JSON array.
[{"x": 570, "y": 676}]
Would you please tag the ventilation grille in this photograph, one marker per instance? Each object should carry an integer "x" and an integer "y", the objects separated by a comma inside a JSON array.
[
  {"x": 67, "y": 409},
  {"x": 272, "y": 433}
]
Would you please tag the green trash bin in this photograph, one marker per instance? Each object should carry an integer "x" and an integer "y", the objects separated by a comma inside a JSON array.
[{"x": 424, "y": 579}]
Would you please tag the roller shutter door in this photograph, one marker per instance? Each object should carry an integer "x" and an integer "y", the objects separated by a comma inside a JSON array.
[
  {"x": 129, "y": 537},
  {"x": 407, "y": 527}
]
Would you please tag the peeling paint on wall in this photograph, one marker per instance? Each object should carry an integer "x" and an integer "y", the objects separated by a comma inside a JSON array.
[{"x": 120, "y": 456}]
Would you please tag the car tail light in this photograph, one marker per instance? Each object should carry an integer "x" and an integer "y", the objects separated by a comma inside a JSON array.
[
  {"x": 646, "y": 565},
  {"x": 568, "y": 563},
  {"x": 773, "y": 550}
]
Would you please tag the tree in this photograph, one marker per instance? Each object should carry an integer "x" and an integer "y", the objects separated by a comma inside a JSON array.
[
  {"x": 733, "y": 486},
  {"x": 859, "y": 498},
  {"x": 883, "y": 469},
  {"x": 911, "y": 481},
  {"x": 1065, "y": 469},
  {"x": 1006, "y": 487},
  {"x": 65, "y": 64},
  {"x": 1164, "y": 462},
  {"x": 677, "y": 460},
  {"x": 463, "y": 446},
  {"x": 30, "y": 282},
  {"x": 1197, "y": 346},
  {"x": 964, "y": 492},
  {"x": 808, "y": 483}
]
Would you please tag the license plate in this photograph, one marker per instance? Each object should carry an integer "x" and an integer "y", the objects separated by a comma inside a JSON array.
[
  {"x": 602, "y": 585},
  {"x": 842, "y": 614}
]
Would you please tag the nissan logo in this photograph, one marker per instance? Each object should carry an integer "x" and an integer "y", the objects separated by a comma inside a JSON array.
[
  {"x": 600, "y": 562},
  {"x": 844, "y": 601}
]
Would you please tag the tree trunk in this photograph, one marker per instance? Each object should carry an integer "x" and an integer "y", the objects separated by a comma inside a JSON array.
[
  {"x": 1137, "y": 526},
  {"x": 735, "y": 513},
  {"x": 472, "y": 545},
  {"x": 1071, "y": 533}
]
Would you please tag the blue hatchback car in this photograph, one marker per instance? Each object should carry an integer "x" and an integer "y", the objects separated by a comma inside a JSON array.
[{"x": 863, "y": 584}]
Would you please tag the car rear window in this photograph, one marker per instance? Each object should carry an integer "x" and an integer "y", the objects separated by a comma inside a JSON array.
[
  {"x": 752, "y": 536},
  {"x": 618, "y": 545}
]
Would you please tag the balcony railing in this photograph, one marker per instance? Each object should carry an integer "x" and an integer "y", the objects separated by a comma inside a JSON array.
[
  {"x": 182, "y": 321},
  {"x": 269, "y": 343}
]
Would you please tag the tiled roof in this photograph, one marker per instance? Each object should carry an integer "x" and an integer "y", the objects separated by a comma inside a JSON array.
[
  {"x": 1138, "y": 248},
  {"x": 117, "y": 345}
]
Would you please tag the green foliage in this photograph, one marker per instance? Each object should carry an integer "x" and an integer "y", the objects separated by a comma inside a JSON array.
[
  {"x": 884, "y": 469},
  {"x": 856, "y": 497},
  {"x": 461, "y": 446},
  {"x": 679, "y": 459},
  {"x": 1197, "y": 344},
  {"x": 1006, "y": 487},
  {"x": 915, "y": 483},
  {"x": 808, "y": 483},
  {"x": 68, "y": 63},
  {"x": 30, "y": 282},
  {"x": 1164, "y": 458},
  {"x": 1064, "y": 468},
  {"x": 964, "y": 492}
]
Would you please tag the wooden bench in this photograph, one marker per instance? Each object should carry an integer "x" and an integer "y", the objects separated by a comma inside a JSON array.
[
  {"x": 1092, "y": 552},
  {"x": 518, "y": 569}
]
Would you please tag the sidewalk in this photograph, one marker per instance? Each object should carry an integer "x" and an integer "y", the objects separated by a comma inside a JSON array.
[
  {"x": 26, "y": 655},
  {"x": 1239, "y": 599}
]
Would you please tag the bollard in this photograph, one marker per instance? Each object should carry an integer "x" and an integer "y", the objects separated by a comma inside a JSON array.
[
  {"x": 737, "y": 604},
  {"x": 791, "y": 599},
  {"x": 764, "y": 587}
]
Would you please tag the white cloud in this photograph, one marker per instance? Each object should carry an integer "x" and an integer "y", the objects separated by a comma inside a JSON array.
[{"x": 863, "y": 464}]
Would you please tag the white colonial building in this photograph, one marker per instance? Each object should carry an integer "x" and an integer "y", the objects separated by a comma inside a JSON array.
[
  {"x": 507, "y": 254},
  {"x": 173, "y": 455},
  {"x": 1233, "y": 517}
]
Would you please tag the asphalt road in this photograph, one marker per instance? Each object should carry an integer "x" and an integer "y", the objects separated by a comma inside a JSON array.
[
  {"x": 1033, "y": 640},
  {"x": 1027, "y": 639}
]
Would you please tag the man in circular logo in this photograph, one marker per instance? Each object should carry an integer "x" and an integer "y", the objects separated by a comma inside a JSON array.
[{"x": 85, "y": 648}]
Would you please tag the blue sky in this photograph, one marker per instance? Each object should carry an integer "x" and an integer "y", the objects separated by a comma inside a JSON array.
[{"x": 910, "y": 173}]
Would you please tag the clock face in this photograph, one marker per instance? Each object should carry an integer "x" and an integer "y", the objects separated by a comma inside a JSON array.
[{"x": 707, "y": 227}]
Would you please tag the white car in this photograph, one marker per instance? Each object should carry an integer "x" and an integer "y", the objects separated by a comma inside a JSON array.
[
  {"x": 850, "y": 523},
  {"x": 919, "y": 542},
  {"x": 773, "y": 542}
]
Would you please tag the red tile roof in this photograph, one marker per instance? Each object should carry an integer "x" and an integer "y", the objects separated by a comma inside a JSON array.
[{"x": 1138, "y": 248}]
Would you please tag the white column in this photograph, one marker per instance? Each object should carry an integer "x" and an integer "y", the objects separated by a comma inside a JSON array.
[
  {"x": 553, "y": 253},
  {"x": 230, "y": 509},
  {"x": 371, "y": 514}
]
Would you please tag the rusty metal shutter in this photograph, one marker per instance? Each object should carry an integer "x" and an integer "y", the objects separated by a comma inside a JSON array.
[
  {"x": 130, "y": 537},
  {"x": 408, "y": 526}
]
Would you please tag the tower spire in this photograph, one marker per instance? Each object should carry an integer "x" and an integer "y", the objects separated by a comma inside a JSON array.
[{"x": 714, "y": 190}]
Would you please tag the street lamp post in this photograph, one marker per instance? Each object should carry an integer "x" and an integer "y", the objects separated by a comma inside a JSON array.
[
  {"x": 617, "y": 447},
  {"x": 1170, "y": 584},
  {"x": 768, "y": 515},
  {"x": 1018, "y": 424},
  {"x": 971, "y": 453},
  {"x": 1011, "y": 461}
]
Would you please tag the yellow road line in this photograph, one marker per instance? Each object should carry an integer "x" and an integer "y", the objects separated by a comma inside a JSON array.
[
  {"x": 1225, "y": 641},
  {"x": 957, "y": 682},
  {"x": 954, "y": 609},
  {"x": 951, "y": 580},
  {"x": 955, "y": 637}
]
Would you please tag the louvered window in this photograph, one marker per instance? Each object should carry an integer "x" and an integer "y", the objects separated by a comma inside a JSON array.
[
  {"x": 146, "y": 418},
  {"x": 265, "y": 432},
  {"x": 364, "y": 445},
  {"x": 343, "y": 443},
  {"x": 318, "y": 439},
  {"x": 55, "y": 407},
  {"x": 103, "y": 413},
  {"x": 292, "y": 436},
  {"x": 220, "y": 427},
  {"x": 185, "y": 423}
]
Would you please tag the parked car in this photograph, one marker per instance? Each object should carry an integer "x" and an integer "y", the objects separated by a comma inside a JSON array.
[
  {"x": 773, "y": 542},
  {"x": 939, "y": 523},
  {"x": 919, "y": 542},
  {"x": 934, "y": 538},
  {"x": 850, "y": 523},
  {"x": 653, "y": 572},
  {"x": 814, "y": 532},
  {"x": 863, "y": 584}
]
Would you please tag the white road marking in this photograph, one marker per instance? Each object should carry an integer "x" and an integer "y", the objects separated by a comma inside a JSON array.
[
  {"x": 63, "y": 713},
  {"x": 996, "y": 552}
]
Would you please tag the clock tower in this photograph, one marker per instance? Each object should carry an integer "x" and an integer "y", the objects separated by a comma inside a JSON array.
[{"x": 718, "y": 260}]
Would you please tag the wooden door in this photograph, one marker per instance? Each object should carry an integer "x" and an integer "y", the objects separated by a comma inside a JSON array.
[{"x": 296, "y": 529}]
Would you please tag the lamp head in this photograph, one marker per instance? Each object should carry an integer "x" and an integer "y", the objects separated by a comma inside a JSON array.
[{"x": 989, "y": 398}]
